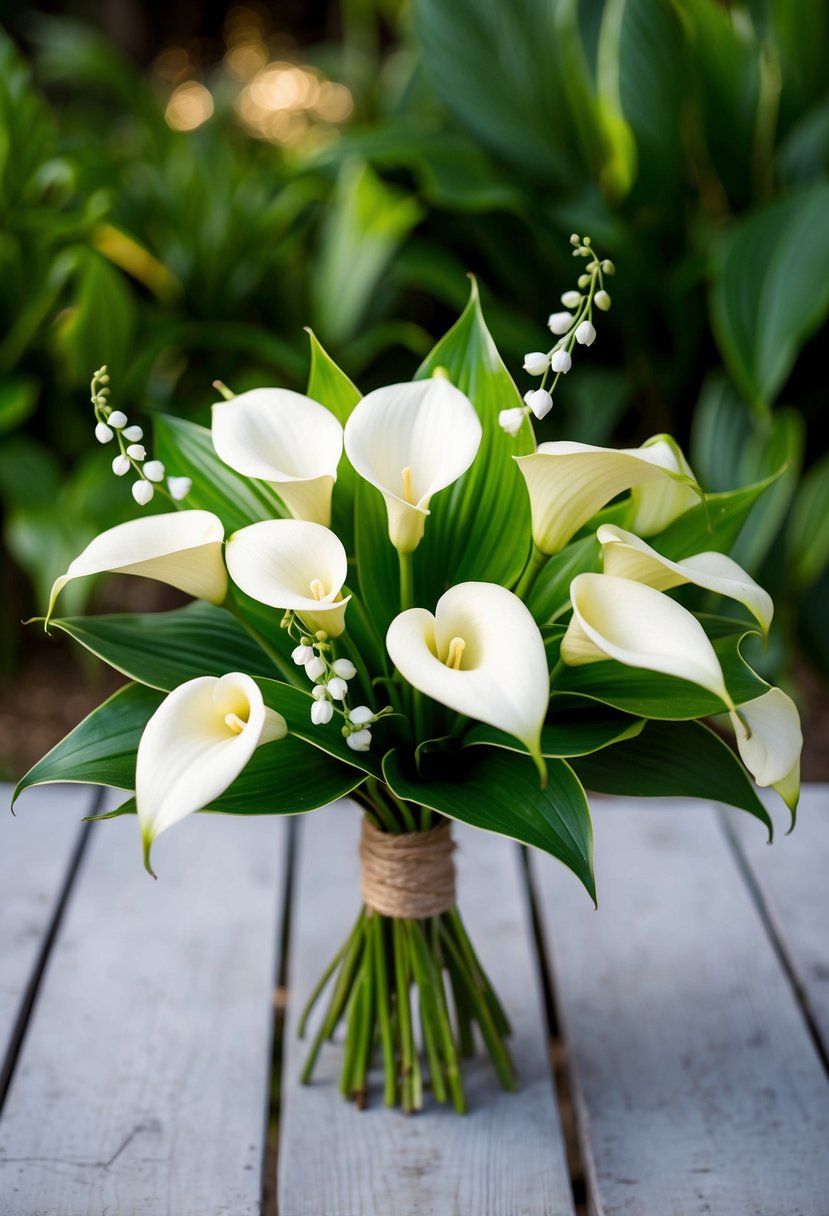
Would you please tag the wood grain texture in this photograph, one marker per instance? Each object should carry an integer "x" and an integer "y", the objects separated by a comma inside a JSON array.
[
  {"x": 698, "y": 1088},
  {"x": 142, "y": 1085},
  {"x": 36, "y": 850},
  {"x": 793, "y": 880},
  {"x": 505, "y": 1158}
]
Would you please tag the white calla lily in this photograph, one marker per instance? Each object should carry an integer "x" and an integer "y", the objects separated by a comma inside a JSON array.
[
  {"x": 195, "y": 745},
  {"x": 657, "y": 503},
  {"x": 569, "y": 482},
  {"x": 411, "y": 440},
  {"x": 290, "y": 563},
  {"x": 769, "y": 740},
  {"x": 285, "y": 439},
  {"x": 182, "y": 548},
  {"x": 482, "y": 655},
  {"x": 617, "y": 618},
  {"x": 628, "y": 556}
]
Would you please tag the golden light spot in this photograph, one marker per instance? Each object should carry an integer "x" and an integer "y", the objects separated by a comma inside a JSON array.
[{"x": 189, "y": 106}]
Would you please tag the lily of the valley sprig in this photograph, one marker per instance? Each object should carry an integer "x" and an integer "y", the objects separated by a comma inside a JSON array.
[{"x": 403, "y": 598}]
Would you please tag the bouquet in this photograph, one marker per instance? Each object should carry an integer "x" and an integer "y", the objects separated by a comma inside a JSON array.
[{"x": 403, "y": 599}]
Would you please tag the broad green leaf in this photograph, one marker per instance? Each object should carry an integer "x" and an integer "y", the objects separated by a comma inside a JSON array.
[
  {"x": 163, "y": 649},
  {"x": 187, "y": 451},
  {"x": 479, "y": 527},
  {"x": 654, "y": 695},
  {"x": 673, "y": 760},
  {"x": 332, "y": 388},
  {"x": 498, "y": 791},
  {"x": 571, "y": 733},
  {"x": 551, "y": 594},
  {"x": 778, "y": 447},
  {"x": 772, "y": 291},
  {"x": 102, "y": 748},
  {"x": 807, "y": 532},
  {"x": 98, "y": 328},
  {"x": 18, "y": 398},
  {"x": 295, "y": 706},
  {"x": 377, "y": 559},
  {"x": 713, "y": 525},
  {"x": 720, "y": 426}
]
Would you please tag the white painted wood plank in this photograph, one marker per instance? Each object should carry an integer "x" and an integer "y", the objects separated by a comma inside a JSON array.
[
  {"x": 142, "y": 1085},
  {"x": 505, "y": 1158},
  {"x": 698, "y": 1088},
  {"x": 793, "y": 879},
  {"x": 36, "y": 849}
]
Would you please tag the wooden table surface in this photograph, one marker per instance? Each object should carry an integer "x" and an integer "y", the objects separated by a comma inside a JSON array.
[{"x": 672, "y": 1047}]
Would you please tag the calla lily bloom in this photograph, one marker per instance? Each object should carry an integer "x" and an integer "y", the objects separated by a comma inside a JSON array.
[
  {"x": 616, "y": 618},
  {"x": 769, "y": 740},
  {"x": 411, "y": 440},
  {"x": 569, "y": 482},
  {"x": 482, "y": 655},
  {"x": 285, "y": 439},
  {"x": 627, "y": 556},
  {"x": 655, "y": 504},
  {"x": 195, "y": 745},
  {"x": 289, "y": 563},
  {"x": 183, "y": 549}
]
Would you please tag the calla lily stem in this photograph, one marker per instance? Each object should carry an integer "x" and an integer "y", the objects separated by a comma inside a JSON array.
[{"x": 535, "y": 564}]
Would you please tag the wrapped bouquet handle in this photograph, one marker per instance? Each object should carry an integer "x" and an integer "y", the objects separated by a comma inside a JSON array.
[{"x": 408, "y": 877}]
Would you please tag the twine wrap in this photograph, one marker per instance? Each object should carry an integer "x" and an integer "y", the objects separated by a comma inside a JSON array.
[{"x": 409, "y": 877}]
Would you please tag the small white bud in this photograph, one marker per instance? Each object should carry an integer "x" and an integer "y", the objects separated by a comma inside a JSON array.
[
  {"x": 302, "y": 655},
  {"x": 314, "y": 668},
  {"x": 585, "y": 334},
  {"x": 575, "y": 239},
  {"x": 561, "y": 361},
  {"x": 360, "y": 714},
  {"x": 154, "y": 470},
  {"x": 536, "y": 363},
  {"x": 142, "y": 492},
  {"x": 133, "y": 434},
  {"x": 337, "y": 688},
  {"x": 121, "y": 465},
  {"x": 344, "y": 668},
  {"x": 322, "y": 712},
  {"x": 103, "y": 433},
  {"x": 602, "y": 300},
  {"x": 320, "y": 693},
  {"x": 137, "y": 451},
  {"x": 540, "y": 402},
  {"x": 608, "y": 267},
  {"x": 512, "y": 420},
  {"x": 118, "y": 419},
  {"x": 584, "y": 280},
  {"x": 559, "y": 322},
  {"x": 571, "y": 299},
  {"x": 179, "y": 487},
  {"x": 360, "y": 741}
]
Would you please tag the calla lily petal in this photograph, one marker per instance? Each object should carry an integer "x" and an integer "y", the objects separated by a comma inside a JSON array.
[
  {"x": 183, "y": 549},
  {"x": 616, "y": 618},
  {"x": 655, "y": 504},
  {"x": 290, "y": 563},
  {"x": 569, "y": 482},
  {"x": 627, "y": 556},
  {"x": 195, "y": 745},
  {"x": 285, "y": 439},
  {"x": 482, "y": 655},
  {"x": 411, "y": 440},
  {"x": 769, "y": 740}
]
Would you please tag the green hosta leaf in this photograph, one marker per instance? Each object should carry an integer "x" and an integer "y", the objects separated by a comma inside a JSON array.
[
  {"x": 376, "y": 558},
  {"x": 99, "y": 327},
  {"x": 673, "y": 759},
  {"x": 479, "y": 527},
  {"x": 572, "y": 733},
  {"x": 163, "y": 649},
  {"x": 712, "y": 526},
  {"x": 807, "y": 534},
  {"x": 332, "y": 388},
  {"x": 653, "y": 695},
  {"x": 772, "y": 291},
  {"x": 498, "y": 791},
  {"x": 187, "y": 451},
  {"x": 282, "y": 778},
  {"x": 778, "y": 447},
  {"x": 102, "y": 748}
]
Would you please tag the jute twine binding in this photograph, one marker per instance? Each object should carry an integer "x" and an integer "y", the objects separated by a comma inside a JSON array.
[{"x": 410, "y": 876}]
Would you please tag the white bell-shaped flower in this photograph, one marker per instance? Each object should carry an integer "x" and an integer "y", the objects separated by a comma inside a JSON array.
[
  {"x": 285, "y": 439},
  {"x": 195, "y": 745},
  {"x": 569, "y": 482},
  {"x": 411, "y": 440},
  {"x": 182, "y": 548},
  {"x": 290, "y": 563},
  {"x": 482, "y": 655},
  {"x": 617, "y": 618},
  {"x": 769, "y": 740},
  {"x": 627, "y": 556}
]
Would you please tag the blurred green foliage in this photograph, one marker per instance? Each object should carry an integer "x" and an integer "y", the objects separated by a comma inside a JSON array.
[{"x": 690, "y": 138}]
